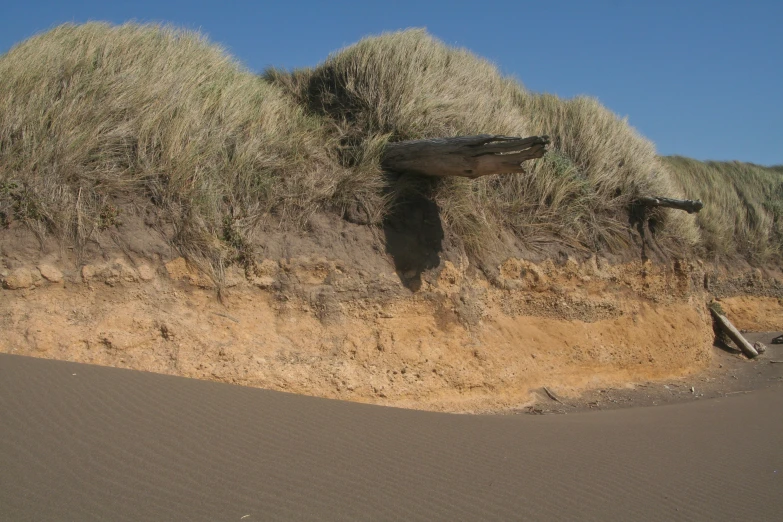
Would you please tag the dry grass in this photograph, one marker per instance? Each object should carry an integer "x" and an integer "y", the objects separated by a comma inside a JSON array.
[
  {"x": 743, "y": 206},
  {"x": 96, "y": 118},
  {"x": 598, "y": 166},
  {"x": 407, "y": 85}
]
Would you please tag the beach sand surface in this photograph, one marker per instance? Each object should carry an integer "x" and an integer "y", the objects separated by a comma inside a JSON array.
[{"x": 82, "y": 442}]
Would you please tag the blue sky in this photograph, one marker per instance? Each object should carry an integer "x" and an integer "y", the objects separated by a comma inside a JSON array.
[{"x": 700, "y": 79}]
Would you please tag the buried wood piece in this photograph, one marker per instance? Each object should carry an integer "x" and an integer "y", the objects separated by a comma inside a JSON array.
[
  {"x": 465, "y": 156},
  {"x": 688, "y": 205},
  {"x": 553, "y": 396},
  {"x": 734, "y": 334}
]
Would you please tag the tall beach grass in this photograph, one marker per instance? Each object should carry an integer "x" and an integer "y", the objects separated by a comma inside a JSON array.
[{"x": 96, "y": 120}]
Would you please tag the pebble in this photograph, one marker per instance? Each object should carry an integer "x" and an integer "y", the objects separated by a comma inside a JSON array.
[{"x": 50, "y": 273}]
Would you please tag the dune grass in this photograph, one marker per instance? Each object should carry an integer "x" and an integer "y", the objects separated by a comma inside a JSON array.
[
  {"x": 408, "y": 85},
  {"x": 98, "y": 119},
  {"x": 94, "y": 116},
  {"x": 743, "y": 211}
]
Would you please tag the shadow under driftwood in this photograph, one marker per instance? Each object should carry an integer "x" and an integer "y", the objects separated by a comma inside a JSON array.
[{"x": 414, "y": 238}]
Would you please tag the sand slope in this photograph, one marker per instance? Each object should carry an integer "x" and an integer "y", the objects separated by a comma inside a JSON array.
[{"x": 82, "y": 442}]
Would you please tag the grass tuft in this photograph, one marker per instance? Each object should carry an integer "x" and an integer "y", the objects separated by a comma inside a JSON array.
[
  {"x": 743, "y": 206},
  {"x": 94, "y": 116}
]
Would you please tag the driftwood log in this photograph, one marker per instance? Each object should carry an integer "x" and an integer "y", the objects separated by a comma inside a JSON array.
[
  {"x": 688, "y": 205},
  {"x": 466, "y": 156},
  {"x": 734, "y": 334}
]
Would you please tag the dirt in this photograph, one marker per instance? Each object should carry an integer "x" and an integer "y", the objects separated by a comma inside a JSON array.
[
  {"x": 755, "y": 314},
  {"x": 729, "y": 373},
  {"x": 357, "y": 313}
]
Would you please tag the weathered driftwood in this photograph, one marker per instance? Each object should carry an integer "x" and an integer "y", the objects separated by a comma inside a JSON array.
[
  {"x": 734, "y": 334},
  {"x": 688, "y": 205},
  {"x": 466, "y": 156}
]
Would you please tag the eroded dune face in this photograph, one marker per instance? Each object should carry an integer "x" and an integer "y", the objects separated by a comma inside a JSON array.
[
  {"x": 326, "y": 327},
  {"x": 316, "y": 272}
]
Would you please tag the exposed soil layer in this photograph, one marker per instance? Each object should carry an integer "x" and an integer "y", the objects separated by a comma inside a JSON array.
[
  {"x": 754, "y": 314},
  {"x": 335, "y": 314},
  {"x": 729, "y": 373}
]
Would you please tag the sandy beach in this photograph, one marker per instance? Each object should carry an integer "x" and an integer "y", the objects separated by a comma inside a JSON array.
[{"x": 81, "y": 442}]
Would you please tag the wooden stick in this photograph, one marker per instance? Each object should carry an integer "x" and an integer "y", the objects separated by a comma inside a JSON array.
[
  {"x": 465, "y": 156},
  {"x": 734, "y": 335},
  {"x": 229, "y": 317},
  {"x": 689, "y": 205},
  {"x": 552, "y": 395}
]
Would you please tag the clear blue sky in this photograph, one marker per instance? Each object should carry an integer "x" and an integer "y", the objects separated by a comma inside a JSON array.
[{"x": 701, "y": 79}]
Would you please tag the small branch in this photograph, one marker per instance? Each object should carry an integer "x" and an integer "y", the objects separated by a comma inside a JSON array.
[
  {"x": 229, "y": 317},
  {"x": 688, "y": 205},
  {"x": 552, "y": 395}
]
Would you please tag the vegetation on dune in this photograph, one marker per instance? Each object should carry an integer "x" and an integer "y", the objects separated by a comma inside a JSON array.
[
  {"x": 597, "y": 167},
  {"x": 408, "y": 85},
  {"x": 94, "y": 118},
  {"x": 743, "y": 211}
]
